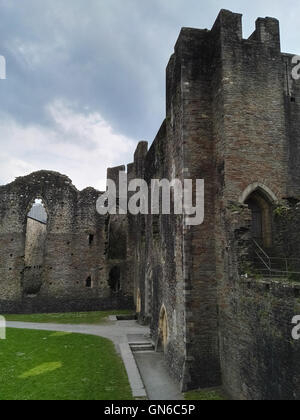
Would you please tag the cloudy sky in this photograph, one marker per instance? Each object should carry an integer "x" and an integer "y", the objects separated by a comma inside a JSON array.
[{"x": 86, "y": 78}]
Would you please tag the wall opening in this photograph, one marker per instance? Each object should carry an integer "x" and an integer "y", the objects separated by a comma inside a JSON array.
[
  {"x": 115, "y": 279},
  {"x": 35, "y": 242},
  {"x": 91, "y": 239},
  {"x": 261, "y": 226},
  {"x": 163, "y": 331},
  {"x": 36, "y": 232},
  {"x": 88, "y": 282}
]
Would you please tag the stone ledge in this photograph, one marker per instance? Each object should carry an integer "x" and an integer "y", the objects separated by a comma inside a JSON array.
[{"x": 135, "y": 380}]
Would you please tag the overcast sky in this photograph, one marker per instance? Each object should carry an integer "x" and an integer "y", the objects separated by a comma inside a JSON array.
[{"x": 86, "y": 78}]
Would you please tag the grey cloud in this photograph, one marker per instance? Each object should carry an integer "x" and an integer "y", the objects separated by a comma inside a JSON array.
[{"x": 106, "y": 56}]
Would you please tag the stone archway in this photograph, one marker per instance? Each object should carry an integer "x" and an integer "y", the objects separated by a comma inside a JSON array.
[{"x": 260, "y": 202}]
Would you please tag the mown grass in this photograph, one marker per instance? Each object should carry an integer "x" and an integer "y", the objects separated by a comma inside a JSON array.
[
  {"x": 68, "y": 318},
  {"x": 38, "y": 365},
  {"x": 206, "y": 395}
]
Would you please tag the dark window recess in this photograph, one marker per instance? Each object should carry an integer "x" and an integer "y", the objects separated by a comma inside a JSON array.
[
  {"x": 293, "y": 99},
  {"x": 91, "y": 239},
  {"x": 88, "y": 282},
  {"x": 114, "y": 280}
]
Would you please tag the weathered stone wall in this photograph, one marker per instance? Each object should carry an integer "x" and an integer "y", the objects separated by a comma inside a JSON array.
[
  {"x": 252, "y": 148},
  {"x": 155, "y": 244},
  {"x": 292, "y": 112},
  {"x": 75, "y": 249},
  {"x": 259, "y": 358},
  {"x": 286, "y": 241},
  {"x": 231, "y": 120}
]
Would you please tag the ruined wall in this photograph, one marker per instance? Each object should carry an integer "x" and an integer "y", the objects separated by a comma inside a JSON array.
[
  {"x": 119, "y": 264},
  {"x": 229, "y": 121},
  {"x": 259, "y": 358},
  {"x": 156, "y": 246},
  {"x": 232, "y": 119},
  {"x": 195, "y": 50},
  {"x": 252, "y": 146},
  {"x": 36, "y": 233},
  {"x": 292, "y": 112},
  {"x": 286, "y": 225},
  {"x": 74, "y": 275}
]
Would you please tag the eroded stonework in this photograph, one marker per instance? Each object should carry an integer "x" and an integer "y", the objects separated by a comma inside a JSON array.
[
  {"x": 71, "y": 273},
  {"x": 232, "y": 119}
]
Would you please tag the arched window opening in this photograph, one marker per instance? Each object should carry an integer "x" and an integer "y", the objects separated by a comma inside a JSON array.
[
  {"x": 115, "y": 279},
  {"x": 36, "y": 232},
  {"x": 261, "y": 226}
]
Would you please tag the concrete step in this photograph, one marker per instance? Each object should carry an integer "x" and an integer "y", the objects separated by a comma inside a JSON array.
[{"x": 141, "y": 347}]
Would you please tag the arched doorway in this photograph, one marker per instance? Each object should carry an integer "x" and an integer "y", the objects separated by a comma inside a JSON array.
[
  {"x": 138, "y": 302},
  {"x": 163, "y": 330},
  {"x": 261, "y": 227},
  {"x": 115, "y": 279}
]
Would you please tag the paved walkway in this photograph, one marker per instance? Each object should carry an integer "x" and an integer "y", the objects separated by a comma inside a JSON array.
[
  {"x": 114, "y": 331},
  {"x": 155, "y": 377}
]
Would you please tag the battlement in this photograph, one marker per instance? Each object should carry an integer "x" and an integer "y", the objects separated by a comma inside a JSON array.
[
  {"x": 228, "y": 29},
  {"x": 267, "y": 31},
  {"x": 229, "y": 26}
]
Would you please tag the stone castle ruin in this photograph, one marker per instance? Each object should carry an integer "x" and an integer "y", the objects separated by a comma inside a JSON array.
[
  {"x": 219, "y": 297},
  {"x": 58, "y": 258}
]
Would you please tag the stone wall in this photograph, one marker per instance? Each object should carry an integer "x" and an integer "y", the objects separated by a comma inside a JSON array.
[
  {"x": 259, "y": 358},
  {"x": 232, "y": 121},
  {"x": 75, "y": 249}
]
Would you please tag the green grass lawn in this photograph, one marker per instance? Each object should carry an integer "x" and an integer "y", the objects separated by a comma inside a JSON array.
[
  {"x": 37, "y": 365},
  {"x": 68, "y": 318},
  {"x": 206, "y": 395}
]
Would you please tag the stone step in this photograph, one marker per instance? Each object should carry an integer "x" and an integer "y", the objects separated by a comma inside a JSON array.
[{"x": 139, "y": 347}]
